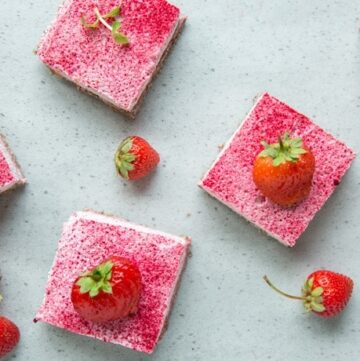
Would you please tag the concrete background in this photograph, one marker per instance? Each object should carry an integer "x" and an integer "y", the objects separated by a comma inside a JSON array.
[{"x": 306, "y": 53}]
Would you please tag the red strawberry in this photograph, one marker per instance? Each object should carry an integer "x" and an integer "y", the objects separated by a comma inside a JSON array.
[
  {"x": 9, "y": 336},
  {"x": 110, "y": 291},
  {"x": 325, "y": 293},
  {"x": 283, "y": 171},
  {"x": 135, "y": 158}
]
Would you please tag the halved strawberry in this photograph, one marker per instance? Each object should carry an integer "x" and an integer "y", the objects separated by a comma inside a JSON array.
[
  {"x": 110, "y": 291},
  {"x": 283, "y": 171},
  {"x": 135, "y": 158}
]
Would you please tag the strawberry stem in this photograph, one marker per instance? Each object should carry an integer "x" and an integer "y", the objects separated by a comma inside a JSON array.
[
  {"x": 281, "y": 143},
  {"x": 283, "y": 293},
  {"x": 101, "y": 19}
]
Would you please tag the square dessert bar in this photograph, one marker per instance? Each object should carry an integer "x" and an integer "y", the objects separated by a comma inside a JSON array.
[
  {"x": 117, "y": 74},
  {"x": 10, "y": 172},
  {"x": 230, "y": 177},
  {"x": 89, "y": 238}
]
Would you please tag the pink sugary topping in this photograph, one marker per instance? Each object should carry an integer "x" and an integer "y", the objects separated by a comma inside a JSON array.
[
  {"x": 92, "y": 59},
  {"x": 6, "y": 176},
  {"x": 230, "y": 178},
  {"x": 85, "y": 243}
]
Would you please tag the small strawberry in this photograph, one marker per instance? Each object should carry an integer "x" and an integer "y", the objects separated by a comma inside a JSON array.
[
  {"x": 9, "y": 336},
  {"x": 135, "y": 158},
  {"x": 283, "y": 171},
  {"x": 325, "y": 293},
  {"x": 110, "y": 291}
]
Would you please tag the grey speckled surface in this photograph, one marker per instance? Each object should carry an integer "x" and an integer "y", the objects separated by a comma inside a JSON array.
[{"x": 307, "y": 53}]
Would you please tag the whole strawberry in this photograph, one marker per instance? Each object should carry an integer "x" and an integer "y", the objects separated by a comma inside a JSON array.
[
  {"x": 325, "y": 293},
  {"x": 110, "y": 291},
  {"x": 135, "y": 158},
  {"x": 9, "y": 336},
  {"x": 283, "y": 171}
]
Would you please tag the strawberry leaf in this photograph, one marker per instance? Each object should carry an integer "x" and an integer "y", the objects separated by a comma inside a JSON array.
[
  {"x": 297, "y": 151},
  {"x": 269, "y": 152},
  {"x": 119, "y": 38},
  {"x": 128, "y": 166},
  {"x": 116, "y": 26},
  {"x": 107, "y": 288},
  {"x": 124, "y": 172},
  {"x": 317, "y": 307},
  {"x": 113, "y": 13},
  {"x": 96, "y": 281},
  {"x": 107, "y": 267},
  {"x": 93, "y": 292},
  {"x": 316, "y": 292},
  {"x": 280, "y": 158},
  {"x": 297, "y": 142},
  {"x": 86, "y": 284},
  {"x": 313, "y": 300},
  {"x": 285, "y": 150},
  {"x": 126, "y": 145},
  {"x": 124, "y": 158},
  {"x": 87, "y": 25}
]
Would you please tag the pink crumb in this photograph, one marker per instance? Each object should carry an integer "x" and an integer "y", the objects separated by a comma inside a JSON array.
[
  {"x": 91, "y": 58},
  {"x": 230, "y": 178},
  {"x": 86, "y": 242}
]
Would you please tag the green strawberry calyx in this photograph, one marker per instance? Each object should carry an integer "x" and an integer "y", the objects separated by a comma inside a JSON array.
[
  {"x": 311, "y": 297},
  {"x": 97, "y": 280},
  {"x": 287, "y": 149},
  {"x": 124, "y": 158}
]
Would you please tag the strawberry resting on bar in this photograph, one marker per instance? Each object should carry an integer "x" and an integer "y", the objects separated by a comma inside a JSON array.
[
  {"x": 114, "y": 280},
  {"x": 278, "y": 169}
]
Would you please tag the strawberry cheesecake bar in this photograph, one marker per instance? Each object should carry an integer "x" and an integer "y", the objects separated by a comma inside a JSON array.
[
  {"x": 10, "y": 172},
  {"x": 111, "y": 48},
  {"x": 155, "y": 258},
  {"x": 234, "y": 180}
]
